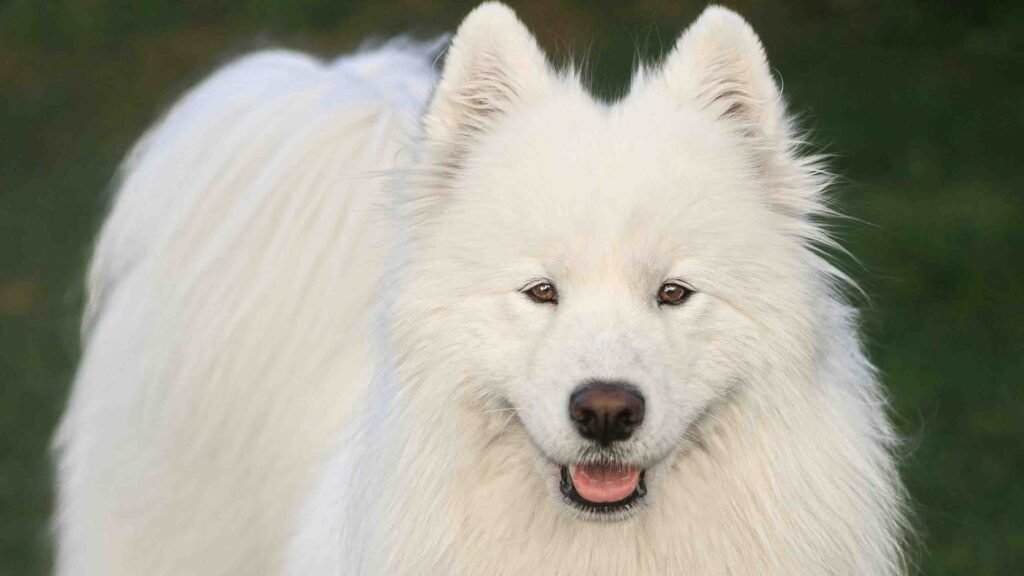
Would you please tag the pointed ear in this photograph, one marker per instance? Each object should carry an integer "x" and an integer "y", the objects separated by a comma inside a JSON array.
[
  {"x": 492, "y": 66},
  {"x": 719, "y": 62}
]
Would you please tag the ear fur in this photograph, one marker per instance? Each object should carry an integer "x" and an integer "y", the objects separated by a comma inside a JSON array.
[
  {"x": 719, "y": 62},
  {"x": 492, "y": 65}
]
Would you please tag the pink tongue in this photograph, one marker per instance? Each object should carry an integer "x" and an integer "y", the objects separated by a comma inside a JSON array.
[{"x": 604, "y": 484}]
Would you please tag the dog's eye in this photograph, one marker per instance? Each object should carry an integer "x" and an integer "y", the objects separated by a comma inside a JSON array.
[
  {"x": 673, "y": 294},
  {"x": 543, "y": 293}
]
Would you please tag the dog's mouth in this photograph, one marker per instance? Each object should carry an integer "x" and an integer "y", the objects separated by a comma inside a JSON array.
[{"x": 603, "y": 489}]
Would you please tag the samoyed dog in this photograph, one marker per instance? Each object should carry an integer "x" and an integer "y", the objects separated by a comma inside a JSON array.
[{"x": 357, "y": 319}]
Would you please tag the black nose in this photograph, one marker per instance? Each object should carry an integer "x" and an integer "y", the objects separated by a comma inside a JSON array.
[{"x": 606, "y": 411}]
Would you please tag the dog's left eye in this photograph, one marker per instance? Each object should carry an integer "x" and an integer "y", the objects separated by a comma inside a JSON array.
[
  {"x": 543, "y": 293},
  {"x": 673, "y": 294}
]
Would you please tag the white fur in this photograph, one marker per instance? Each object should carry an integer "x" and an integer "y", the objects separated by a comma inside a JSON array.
[
  {"x": 230, "y": 337},
  {"x": 225, "y": 325}
]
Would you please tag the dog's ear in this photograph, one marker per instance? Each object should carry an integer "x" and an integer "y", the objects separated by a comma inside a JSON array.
[
  {"x": 719, "y": 62},
  {"x": 492, "y": 66}
]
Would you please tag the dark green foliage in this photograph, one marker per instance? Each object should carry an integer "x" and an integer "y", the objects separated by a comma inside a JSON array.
[{"x": 921, "y": 102}]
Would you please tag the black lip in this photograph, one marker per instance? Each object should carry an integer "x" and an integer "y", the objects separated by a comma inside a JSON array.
[{"x": 570, "y": 493}]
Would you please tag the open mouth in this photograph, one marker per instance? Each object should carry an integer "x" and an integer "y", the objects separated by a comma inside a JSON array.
[{"x": 603, "y": 489}]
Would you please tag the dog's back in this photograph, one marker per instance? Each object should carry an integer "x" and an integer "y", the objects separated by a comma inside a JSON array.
[{"x": 225, "y": 331}]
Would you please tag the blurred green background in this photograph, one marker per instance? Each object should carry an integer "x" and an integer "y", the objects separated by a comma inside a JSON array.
[{"x": 922, "y": 104}]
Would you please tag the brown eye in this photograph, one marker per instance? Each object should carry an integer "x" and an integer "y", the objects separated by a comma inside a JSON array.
[
  {"x": 543, "y": 293},
  {"x": 673, "y": 294}
]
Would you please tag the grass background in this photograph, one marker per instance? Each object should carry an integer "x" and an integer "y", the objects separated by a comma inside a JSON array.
[{"x": 922, "y": 103}]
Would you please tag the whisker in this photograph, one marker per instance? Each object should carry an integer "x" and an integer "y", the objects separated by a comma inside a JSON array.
[{"x": 501, "y": 410}]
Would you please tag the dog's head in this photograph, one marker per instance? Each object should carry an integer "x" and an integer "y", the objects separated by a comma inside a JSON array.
[{"x": 609, "y": 274}]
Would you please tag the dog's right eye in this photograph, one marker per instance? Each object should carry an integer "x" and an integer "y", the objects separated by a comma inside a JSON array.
[
  {"x": 673, "y": 294},
  {"x": 543, "y": 293}
]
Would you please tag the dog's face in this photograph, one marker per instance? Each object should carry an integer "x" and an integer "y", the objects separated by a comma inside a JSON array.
[{"x": 608, "y": 274}]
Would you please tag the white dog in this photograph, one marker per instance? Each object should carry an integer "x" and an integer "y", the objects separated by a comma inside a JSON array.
[{"x": 559, "y": 337}]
